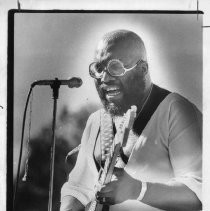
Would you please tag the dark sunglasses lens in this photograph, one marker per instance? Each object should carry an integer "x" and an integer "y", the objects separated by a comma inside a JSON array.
[{"x": 115, "y": 68}]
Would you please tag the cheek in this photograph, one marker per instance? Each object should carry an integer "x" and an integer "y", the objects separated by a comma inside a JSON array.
[
  {"x": 133, "y": 83},
  {"x": 129, "y": 80},
  {"x": 97, "y": 84},
  {"x": 99, "y": 90},
  {"x": 97, "y": 87}
]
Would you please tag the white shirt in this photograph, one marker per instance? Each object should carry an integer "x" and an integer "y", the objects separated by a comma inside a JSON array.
[{"x": 169, "y": 148}]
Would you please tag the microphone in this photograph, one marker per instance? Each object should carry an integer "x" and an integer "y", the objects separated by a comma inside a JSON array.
[{"x": 71, "y": 83}]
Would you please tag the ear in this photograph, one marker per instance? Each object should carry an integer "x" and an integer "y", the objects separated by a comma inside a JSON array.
[{"x": 144, "y": 67}]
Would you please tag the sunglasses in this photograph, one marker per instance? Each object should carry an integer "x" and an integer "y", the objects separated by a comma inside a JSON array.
[{"x": 114, "y": 67}]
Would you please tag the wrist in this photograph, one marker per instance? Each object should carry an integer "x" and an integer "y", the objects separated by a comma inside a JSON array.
[{"x": 143, "y": 191}]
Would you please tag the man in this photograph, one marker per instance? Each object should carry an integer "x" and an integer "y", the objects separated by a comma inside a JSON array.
[{"x": 162, "y": 156}]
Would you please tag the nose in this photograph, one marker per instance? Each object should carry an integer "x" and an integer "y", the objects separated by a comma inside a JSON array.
[{"x": 107, "y": 77}]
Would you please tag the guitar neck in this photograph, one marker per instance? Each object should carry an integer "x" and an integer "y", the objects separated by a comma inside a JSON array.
[{"x": 112, "y": 163}]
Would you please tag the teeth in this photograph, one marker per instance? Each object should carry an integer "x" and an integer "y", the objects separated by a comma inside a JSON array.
[
  {"x": 113, "y": 93},
  {"x": 112, "y": 88}
]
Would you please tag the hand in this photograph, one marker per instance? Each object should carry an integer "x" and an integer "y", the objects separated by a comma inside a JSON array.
[{"x": 123, "y": 187}]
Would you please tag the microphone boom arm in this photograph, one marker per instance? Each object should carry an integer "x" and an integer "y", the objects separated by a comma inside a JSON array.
[{"x": 74, "y": 82}]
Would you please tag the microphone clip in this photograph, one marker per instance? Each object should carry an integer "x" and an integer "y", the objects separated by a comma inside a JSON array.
[{"x": 55, "y": 87}]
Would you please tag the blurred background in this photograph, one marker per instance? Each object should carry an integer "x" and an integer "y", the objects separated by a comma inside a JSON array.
[{"x": 49, "y": 45}]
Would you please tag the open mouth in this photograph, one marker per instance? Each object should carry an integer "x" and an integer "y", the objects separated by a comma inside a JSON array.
[{"x": 112, "y": 91}]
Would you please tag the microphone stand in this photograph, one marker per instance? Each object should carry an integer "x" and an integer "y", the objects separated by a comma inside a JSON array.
[{"x": 55, "y": 87}]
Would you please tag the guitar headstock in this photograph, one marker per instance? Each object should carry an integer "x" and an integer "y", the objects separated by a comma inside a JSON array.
[{"x": 130, "y": 117}]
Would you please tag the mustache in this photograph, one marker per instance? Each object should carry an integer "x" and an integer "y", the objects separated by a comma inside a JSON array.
[{"x": 103, "y": 86}]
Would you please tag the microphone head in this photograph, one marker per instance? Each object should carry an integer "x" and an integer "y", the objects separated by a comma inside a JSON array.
[{"x": 75, "y": 82}]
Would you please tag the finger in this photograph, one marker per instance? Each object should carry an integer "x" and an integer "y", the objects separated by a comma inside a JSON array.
[
  {"x": 105, "y": 200},
  {"x": 111, "y": 186},
  {"x": 104, "y": 194},
  {"x": 109, "y": 194}
]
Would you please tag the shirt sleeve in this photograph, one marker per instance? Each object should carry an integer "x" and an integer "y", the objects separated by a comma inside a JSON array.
[
  {"x": 185, "y": 144},
  {"x": 78, "y": 185}
]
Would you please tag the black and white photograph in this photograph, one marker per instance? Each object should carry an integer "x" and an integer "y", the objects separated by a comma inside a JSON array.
[{"x": 106, "y": 110}]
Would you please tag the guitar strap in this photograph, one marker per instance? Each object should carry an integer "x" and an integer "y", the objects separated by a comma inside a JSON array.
[{"x": 156, "y": 97}]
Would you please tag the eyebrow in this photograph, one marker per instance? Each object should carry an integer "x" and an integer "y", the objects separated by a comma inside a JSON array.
[{"x": 103, "y": 59}]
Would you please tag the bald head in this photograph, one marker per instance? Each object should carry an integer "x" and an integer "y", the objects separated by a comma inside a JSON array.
[{"x": 121, "y": 44}]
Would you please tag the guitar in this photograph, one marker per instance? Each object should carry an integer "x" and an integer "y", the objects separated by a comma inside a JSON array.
[{"x": 105, "y": 174}]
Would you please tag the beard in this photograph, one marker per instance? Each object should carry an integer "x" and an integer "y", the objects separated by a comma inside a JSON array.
[
  {"x": 115, "y": 109},
  {"x": 133, "y": 92}
]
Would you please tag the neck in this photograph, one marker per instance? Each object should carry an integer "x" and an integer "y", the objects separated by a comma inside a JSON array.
[{"x": 147, "y": 93}]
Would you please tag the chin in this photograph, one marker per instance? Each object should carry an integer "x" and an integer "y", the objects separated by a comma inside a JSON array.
[
  {"x": 118, "y": 108},
  {"x": 113, "y": 109}
]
